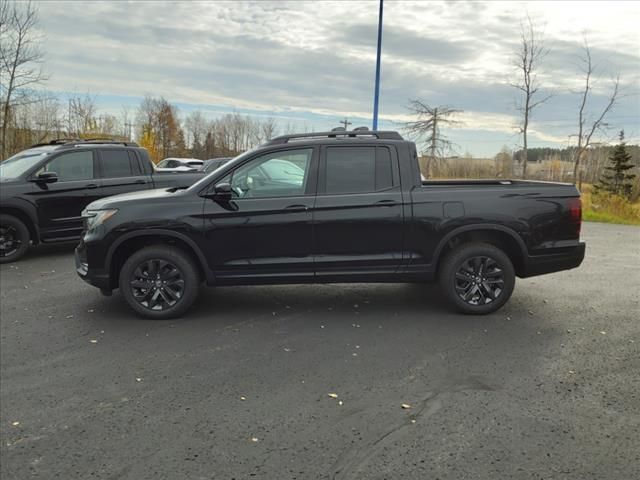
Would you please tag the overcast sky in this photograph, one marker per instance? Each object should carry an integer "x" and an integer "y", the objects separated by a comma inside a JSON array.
[{"x": 312, "y": 63}]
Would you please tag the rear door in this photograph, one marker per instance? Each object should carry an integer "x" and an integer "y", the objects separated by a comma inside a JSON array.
[
  {"x": 357, "y": 217},
  {"x": 60, "y": 204},
  {"x": 121, "y": 172}
]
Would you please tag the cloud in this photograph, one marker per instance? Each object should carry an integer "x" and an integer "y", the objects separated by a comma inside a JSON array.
[{"x": 315, "y": 60}]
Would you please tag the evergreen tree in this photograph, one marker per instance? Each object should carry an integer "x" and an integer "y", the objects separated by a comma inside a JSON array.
[{"x": 616, "y": 179}]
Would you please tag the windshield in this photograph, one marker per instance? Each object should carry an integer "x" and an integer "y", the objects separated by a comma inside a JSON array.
[{"x": 19, "y": 164}]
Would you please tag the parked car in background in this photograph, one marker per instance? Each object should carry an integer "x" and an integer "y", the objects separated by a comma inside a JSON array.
[
  {"x": 214, "y": 163},
  {"x": 179, "y": 165},
  {"x": 329, "y": 207},
  {"x": 44, "y": 189}
]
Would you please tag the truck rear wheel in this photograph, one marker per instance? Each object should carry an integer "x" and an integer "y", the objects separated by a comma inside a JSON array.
[
  {"x": 159, "y": 282},
  {"x": 477, "y": 278},
  {"x": 14, "y": 239}
]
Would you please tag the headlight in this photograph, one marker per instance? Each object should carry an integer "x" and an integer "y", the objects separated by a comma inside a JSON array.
[{"x": 95, "y": 218}]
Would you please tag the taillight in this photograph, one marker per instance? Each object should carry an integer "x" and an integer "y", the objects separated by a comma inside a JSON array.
[{"x": 575, "y": 215}]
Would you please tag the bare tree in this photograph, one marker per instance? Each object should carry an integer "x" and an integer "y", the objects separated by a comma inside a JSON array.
[
  {"x": 20, "y": 58},
  {"x": 269, "y": 128},
  {"x": 586, "y": 129},
  {"x": 428, "y": 126},
  {"x": 530, "y": 53}
]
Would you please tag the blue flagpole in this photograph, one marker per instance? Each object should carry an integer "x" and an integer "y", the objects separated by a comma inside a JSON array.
[{"x": 377, "y": 92}]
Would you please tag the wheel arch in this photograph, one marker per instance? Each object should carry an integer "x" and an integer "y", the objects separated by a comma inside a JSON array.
[
  {"x": 499, "y": 236},
  {"x": 130, "y": 243}
]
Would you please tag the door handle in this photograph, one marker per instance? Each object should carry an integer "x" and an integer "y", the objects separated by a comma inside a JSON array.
[
  {"x": 91, "y": 185},
  {"x": 387, "y": 203},
  {"x": 296, "y": 208}
]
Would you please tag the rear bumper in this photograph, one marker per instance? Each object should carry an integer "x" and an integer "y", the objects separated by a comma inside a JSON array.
[{"x": 555, "y": 262}]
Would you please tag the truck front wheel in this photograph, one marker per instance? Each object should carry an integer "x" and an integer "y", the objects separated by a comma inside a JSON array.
[
  {"x": 159, "y": 282},
  {"x": 14, "y": 239},
  {"x": 477, "y": 278}
]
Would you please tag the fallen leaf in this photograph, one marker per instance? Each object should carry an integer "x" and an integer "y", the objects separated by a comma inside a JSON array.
[
  {"x": 69, "y": 316},
  {"x": 254, "y": 439},
  {"x": 90, "y": 310},
  {"x": 508, "y": 318},
  {"x": 572, "y": 372},
  {"x": 339, "y": 402},
  {"x": 243, "y": 398},
  {"x": 15, "y": 424},
  {"x": 530, "y": 312},
  {"x": 354, "y": 354},
  {"x": 357, "y": 346},
  {"x": 321, "y": 326},
  {"x": 406, "y": 406},
  {"x": 138, "y": 379},
  {"x": 93, "y": 340},
  {"x": 413, "y": 420},
  {"x": 287, "y": 349},
  {"x": 333, "y": 395},
  {"x": 603, "y": 332}
]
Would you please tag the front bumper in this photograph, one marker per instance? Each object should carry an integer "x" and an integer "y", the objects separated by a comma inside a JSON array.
[
  {"x": 97, "y": 278},
  {"x": 555, "y": 262}
]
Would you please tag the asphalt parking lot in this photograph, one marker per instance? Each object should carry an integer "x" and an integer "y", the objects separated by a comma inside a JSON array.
[{"x": 548, "y": 387}]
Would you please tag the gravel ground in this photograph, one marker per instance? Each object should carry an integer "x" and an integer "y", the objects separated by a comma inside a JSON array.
[{"x": 548, "y": 387}]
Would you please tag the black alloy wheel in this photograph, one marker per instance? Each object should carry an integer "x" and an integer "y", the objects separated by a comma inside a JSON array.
[
  {"x": 479, "y": 280},
  {"x": 9, "y": 241},
  {"x": 157, "y": 284},
  {"x": 14, "y": 239},
  {"x": 159, "y": 281}
]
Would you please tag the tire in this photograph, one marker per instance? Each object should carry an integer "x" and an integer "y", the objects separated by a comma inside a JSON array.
[
  {"x": 461, "y": 276},
  {"x": 141, "y": 280},
  {"x": 14, "y": 239}
]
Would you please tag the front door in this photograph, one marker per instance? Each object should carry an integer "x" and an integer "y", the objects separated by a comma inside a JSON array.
[
  {"x": 264, "y": 232},
  {"x": 357, "y": 217},
  {"x": 60, "y": 204}
]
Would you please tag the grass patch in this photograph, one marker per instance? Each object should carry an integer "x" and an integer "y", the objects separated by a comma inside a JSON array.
[
  {"x": 605, "y": 217},
  {"x": 608, "y": 208}
]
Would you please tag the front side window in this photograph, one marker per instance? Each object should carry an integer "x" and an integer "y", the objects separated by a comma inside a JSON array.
[
  {"x": 116, "y": 163},
  {"x": 358, "y": 170},
  {"x": 72, "y": 166},
  {"x": 276, "y": 174}
]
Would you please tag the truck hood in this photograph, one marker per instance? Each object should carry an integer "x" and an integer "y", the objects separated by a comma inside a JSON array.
[{"x": 145, "y": 196}]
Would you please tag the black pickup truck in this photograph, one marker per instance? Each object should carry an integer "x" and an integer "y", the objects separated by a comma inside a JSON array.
[
  {"x": 44, "y": 189},
  {"x": 345, "y": 206}
]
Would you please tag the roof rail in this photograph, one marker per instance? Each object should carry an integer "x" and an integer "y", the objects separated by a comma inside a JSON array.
[
  {"x": 70, "y": 142},
  {"x": 57, "y": 141},
  {"x": 379, "y": 134},
  {"x": 97, "y": 141}
]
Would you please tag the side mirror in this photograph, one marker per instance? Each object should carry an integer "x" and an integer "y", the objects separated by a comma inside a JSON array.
[
  {"x": 223, "y": 192},
  {"x": 46, "y": 177}
]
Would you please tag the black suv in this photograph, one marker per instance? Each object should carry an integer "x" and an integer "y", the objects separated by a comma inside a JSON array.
[
  {"x": 329, "y": 207},
  {"x": 44, "y": 189}
]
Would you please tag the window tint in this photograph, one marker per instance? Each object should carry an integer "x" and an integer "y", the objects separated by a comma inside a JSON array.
[
  {"x": 358, "y": 169},
  {"x": 277, "y": 174},
  {"x": 384, "y": 169},
  {"x": 116, "y": 163},
  {"x": 72, "y": 166},
  {"x": 350, "y": 170}
]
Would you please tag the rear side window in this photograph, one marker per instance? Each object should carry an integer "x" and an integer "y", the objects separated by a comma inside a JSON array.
[
  {"x": 117, "y": 163},
  {"x": 358, "y": 169}
]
